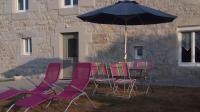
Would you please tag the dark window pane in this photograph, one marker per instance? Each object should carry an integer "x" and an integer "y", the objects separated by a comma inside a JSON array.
[
  {"x": 186, "y": 47},
  {"x": 197, "y": 46},
  {"x": 138, "y": 52},
  {"x": 197, "y": 54},
  {"x": 186, "y": 55},
  {"x": 26, "y": 45},
  {"x": 30, "y": 45},
  {"x": 67, "y": 2},
  {"x": 20, "y": 4},
  {"x": 27, "y": 5},
  {"x": 73, "y": 48},
  {"x": 75, "y": 2}
]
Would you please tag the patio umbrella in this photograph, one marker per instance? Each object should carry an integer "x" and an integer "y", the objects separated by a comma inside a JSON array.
[{"x": 127, "y": 13}]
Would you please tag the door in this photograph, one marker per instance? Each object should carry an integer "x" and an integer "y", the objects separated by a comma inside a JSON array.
[{"x": 70, "y": 53}]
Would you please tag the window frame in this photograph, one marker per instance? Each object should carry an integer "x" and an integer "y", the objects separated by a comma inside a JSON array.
[
  {"x": 30, "y": 46},
  {"x": 68, "y": 6},
  {"x": 136, "y": 56},
  {"x": 24, "y": 6},
  {"x": 191, "y": 29}
]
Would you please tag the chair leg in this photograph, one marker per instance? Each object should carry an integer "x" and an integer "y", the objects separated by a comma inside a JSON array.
[
  {"x": 69, "y": 105},
  {"x": 75, "y": 103},
  {"x": 110, "y": 83},
  {"x": 10, "y": 107},
  {"x": 72, "y": 101},
  {"x": 132, "y": 85},
  {"x": 27, "y": 110},
  {"x": 136, "y": 87},
  {"x": 95, "y": 88},
  {"x": 89, "y": 99},
  {"x": 124, "y": 88},
  {"x": 148, "y": 86},
  {"x": 115, "y": 89},
  {"x": 146, "y": 92},
  {"x": 48, "y": 104}
]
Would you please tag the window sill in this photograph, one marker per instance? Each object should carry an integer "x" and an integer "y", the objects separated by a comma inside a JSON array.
[
  {"x": 21, "y": 11},
  {"x": 69, "y": 6},
  {"x": 189, "y": 64},
  {"x": 27, "y": 54}
]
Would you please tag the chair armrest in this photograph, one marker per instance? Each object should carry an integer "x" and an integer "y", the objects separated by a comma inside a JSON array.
[
  {"x": 30, "y": 81},
  {"x": 57, "y": 86},
  {"x": 52, "y": 85},
  {"x": 77, "y": 88}
]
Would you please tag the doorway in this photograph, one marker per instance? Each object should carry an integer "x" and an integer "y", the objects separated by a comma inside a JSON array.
[{"x": 70, "y": 53}]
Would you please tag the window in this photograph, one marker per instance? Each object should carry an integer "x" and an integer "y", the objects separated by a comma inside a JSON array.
[
  {"x": 138, "y": 51},
  {"x": 70, "y": 3},
  {"x": 22, "y": 5},
  {"x": 189, "y": 54},
  {"x": 27, "y": 46}
]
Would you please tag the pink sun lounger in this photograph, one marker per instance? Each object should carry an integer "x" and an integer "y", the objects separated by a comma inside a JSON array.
[
  {"x": 51, "y": 77},
  {"x": 80, "y": 80}
]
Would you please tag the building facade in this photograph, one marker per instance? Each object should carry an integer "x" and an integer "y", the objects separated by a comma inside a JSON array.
[{"x": 36, "y": 32}]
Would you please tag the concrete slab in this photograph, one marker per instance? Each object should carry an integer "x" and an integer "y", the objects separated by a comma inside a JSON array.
[{"x": 26, "y": 84}]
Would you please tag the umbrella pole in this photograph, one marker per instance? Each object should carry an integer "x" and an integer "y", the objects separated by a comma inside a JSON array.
[{"x": 125, "y": 44}]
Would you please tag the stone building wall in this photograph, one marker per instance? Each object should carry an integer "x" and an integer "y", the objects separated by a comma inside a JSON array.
[
  {"x": 45, "y": 21},
  {"x": 160, "y": 42}
]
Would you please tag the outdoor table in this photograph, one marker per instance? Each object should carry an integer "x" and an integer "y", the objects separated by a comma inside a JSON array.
[{"x": 141, "y": 71}]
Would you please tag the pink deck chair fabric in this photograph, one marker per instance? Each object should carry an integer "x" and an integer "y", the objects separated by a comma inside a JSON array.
[
  {"x": 99, "y": 70},
  {"x": 121, "y": 72},
  {"x": 100, "y": 75},
  {"x": 80, "y": 81},
  {"x": 51, "y": 76},
  {"x": 140, "y": 66}
]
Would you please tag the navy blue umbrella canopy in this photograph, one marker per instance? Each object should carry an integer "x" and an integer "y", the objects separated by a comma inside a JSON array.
[{"x": 127, "y": 13}]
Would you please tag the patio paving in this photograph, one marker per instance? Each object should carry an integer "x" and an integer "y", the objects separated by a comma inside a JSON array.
[{"x": 25, "y": 84}]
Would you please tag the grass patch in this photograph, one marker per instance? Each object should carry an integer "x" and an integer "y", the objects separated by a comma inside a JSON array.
[{"x": 163, "y": 99}]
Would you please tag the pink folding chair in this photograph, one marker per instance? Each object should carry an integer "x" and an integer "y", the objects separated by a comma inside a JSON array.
[
  {"x": 72, "y": 92},
  {"x": 143, "y": 72},
  {"x": 121, "y": 73},
  {"x": 100, "y": 75},
  {"x": 51, "y": 76}
]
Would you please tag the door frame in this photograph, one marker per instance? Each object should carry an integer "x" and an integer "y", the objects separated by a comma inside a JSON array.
[
  {"x": 61, "y": 48},
  {"x": 84, "y": 38}
]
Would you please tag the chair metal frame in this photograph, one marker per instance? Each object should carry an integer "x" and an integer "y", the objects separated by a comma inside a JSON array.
[
  {"x": 100, "y": 75},
  {"x": 122, "y": 77},
  {"x": 142, "y": 71},
  {"x": 72, "y": 85}
]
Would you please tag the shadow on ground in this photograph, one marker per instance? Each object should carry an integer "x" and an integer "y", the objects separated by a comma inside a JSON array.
[{"x": 164, "y": 99}]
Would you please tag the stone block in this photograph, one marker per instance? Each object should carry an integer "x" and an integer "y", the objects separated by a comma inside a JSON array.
[
  {"x": 34, "y": 5},
  {"x": 86, "y": 3},
  {"x": 69, "y": 11},
  {"x": 53, "y": 4},
  {"x": 100, "y": 39}
]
